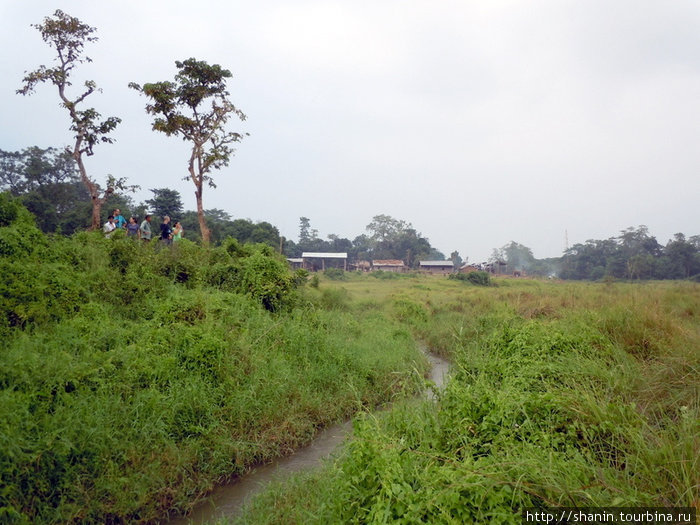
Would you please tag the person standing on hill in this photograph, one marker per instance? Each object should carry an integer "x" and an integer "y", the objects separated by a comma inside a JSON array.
[
  {"x": 132, "y": 228},
  {"x": 145, "y": 228},
  {"x": 166, "y": 231},
  {"x": 119, "y": 219},
  {"x": 177, "y": 231},
  {"x": 109, "y": 226}
]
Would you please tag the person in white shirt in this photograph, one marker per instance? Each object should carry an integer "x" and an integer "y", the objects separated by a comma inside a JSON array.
[{"x": 109, "y": 226}]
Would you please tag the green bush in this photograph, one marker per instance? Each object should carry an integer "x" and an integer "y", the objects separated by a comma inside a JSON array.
[
  {"x": 19, "y": 236},
  {"x": 315, "y": 281},
  {"x": 267, "y": 279},
  {"x": 476, "y": 278}
]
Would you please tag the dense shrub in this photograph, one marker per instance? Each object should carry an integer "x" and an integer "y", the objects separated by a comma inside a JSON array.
[
  {"x": 477, "y": 278},
  {"x": 19, "y": 235}
]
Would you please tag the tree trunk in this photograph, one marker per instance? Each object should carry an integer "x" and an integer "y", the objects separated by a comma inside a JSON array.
[
  {"x": 96, "y": 212},
  {"x": 200, "y": 215},
  {"x": 91, "y": 187}
]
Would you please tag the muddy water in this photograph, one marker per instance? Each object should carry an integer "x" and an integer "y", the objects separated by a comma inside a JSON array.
[{"x": 227, "y": 500}]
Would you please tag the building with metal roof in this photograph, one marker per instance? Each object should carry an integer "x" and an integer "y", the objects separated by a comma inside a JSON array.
[
  {"x": 437, "y": 267},
  {"x": 311, "y": 260}
]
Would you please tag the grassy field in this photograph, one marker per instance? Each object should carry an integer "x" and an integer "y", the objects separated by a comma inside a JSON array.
[{"x": 570, "y": 394}]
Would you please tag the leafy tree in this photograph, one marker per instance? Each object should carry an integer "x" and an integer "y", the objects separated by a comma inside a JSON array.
[
  {"x": 309, "y": 241},
  {"x": 392, "y": 238},
  {"x": 68, "y": 35},
  {"x": 222, "y": 227},
  {"x": 290, "y": 248},
  {"x": 361, "y": 248},
  {"x": 385, "y": 228},
  {"x": 48, "y": 184},
  {"x": 304, "y": 231},
  {"x": 165, "y": 202},
  {"x": 265, "y": 233},
  {"x": 196, "y": 106},
  {"x": 339, "y": 244},
  {"x": 634, "y": 254},
  {"x": 683, "y": 256}
]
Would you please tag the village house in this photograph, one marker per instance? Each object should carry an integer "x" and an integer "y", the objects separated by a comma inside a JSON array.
[
  {"x": 496, "y": 267},
  {"x": 469, "y": 268},
  {"x": 389, "y": 265},
  {"x": 295, "y": 262},
  {"x": 361, "y": 266},
  {"x": 437, "y": 267},
  {"x": 314, "y": 261}
]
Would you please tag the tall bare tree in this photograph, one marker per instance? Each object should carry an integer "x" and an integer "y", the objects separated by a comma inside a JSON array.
[
  {"x": 67, "y": 36},
  {"x": 196, "y": 106}
]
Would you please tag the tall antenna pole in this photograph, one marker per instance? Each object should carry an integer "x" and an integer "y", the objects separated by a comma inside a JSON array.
[{"x": 566, "y": 240}]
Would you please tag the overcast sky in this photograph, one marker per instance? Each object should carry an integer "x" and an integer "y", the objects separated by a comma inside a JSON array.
[{"x": 480, "y": 122}]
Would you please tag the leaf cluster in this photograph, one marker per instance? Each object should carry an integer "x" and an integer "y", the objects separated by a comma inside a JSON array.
[{"x": 195, "y": 106}]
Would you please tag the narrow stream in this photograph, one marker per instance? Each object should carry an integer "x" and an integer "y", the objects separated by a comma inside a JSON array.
[{"x": 227, "y": 500}]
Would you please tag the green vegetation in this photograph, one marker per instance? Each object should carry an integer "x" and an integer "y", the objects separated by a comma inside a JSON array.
[
  {"x": 478, "y": 278},
  {"x": 634, "y": 254},
  {"x": 562, "y": 394},
  {"x": 135, "y": 376}
]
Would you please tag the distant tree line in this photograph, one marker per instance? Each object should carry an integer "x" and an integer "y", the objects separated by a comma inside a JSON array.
[
  {"x": 519, "y": 258},
  {"x": 634, "y": 254}
]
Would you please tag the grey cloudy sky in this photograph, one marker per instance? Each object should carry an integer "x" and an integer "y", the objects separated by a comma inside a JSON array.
[{"x": 478, "y": 122}]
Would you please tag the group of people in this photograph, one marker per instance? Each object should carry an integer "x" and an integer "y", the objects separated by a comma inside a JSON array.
[{"x": 168, "y": 233}]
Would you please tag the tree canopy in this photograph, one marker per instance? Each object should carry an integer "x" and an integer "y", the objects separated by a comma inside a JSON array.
[
  {"x": 47, "y": 182},
  {"x": 634, "y": 254},
  {"x": 165, "y": 202}
]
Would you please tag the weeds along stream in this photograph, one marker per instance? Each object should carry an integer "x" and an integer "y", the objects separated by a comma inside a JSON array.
[
  {"x": 227, "y": 501},
  {"x": 560, "y": 394}
]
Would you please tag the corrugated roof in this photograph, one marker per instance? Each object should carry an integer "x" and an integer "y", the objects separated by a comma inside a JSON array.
[
  {"x": 436, "y": 263},
  {"x": 387, "y": 262},
  {"x": 322, "y": 255},
  {"x": 295, "y": 259}
]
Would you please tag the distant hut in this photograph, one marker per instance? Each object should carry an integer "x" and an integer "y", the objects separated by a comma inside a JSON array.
[
  {"x": 437, "y": 267},
  {"x": 361, "y": 266},
  {"x": 469, "y": 268},
  {"x": 315, "y": 261},
  {"x": 295, "y": 262},
  {"x": 388, "y": 265},
  {"x": 496, "y": 267}
]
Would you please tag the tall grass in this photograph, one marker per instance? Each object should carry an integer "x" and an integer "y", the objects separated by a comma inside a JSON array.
[
  {"x": 134, "y": 377},
  {"x": 574, "y": 395}
]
